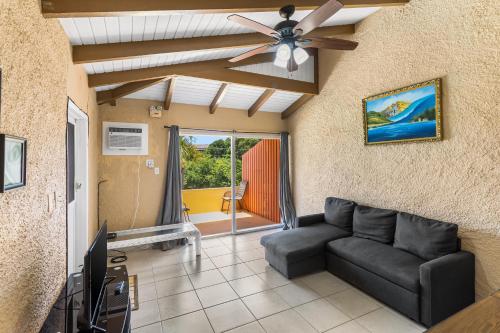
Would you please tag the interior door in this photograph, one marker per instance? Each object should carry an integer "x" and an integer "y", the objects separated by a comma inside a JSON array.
[
  {"x": 77, "y": 187},
  {"x": 70, "y": 192}
]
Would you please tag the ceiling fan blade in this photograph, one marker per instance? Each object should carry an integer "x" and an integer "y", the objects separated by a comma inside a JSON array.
[
  {"x": 251, "y": 53},
  {"x": 329, "y": 43},
  {"x": 259, "y": 27},
  {"x": 318, "y": 16},
  {"x": 292, "y": 64}
]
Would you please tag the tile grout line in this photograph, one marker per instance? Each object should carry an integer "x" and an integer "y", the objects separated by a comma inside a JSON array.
[
  {"x": 202, "y": 308},
  {"x": 226, "y": 280},
  {"x": 194, "y": 289}
]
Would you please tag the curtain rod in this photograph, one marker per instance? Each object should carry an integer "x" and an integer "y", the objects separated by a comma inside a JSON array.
[{"x": 222, "y": 131}]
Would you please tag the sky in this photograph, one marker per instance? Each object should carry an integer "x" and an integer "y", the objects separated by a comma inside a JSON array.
[
  {"x": 206, "y": 139},
  {"x": 408, "y": 96}
]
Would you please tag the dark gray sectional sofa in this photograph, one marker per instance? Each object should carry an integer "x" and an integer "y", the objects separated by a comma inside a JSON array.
[{"x": 410, "y": 263}]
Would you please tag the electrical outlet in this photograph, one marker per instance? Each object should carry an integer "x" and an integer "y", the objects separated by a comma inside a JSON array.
[
  {"x": 157, "y": 171},
  {"x": 150, "y": 164}
]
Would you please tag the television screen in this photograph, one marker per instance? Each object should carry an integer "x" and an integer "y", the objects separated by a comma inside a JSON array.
[{"x": 94, "y": 274}]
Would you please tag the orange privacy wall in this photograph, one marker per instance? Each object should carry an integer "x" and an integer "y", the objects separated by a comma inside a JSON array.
[{"x": 260, "y": 167}]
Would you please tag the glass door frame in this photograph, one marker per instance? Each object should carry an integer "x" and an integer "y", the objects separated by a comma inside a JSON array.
[{"x": 234, "y": 135}]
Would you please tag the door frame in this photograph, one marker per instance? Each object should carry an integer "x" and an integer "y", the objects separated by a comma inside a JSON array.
[{"x": 81, "y": 227}]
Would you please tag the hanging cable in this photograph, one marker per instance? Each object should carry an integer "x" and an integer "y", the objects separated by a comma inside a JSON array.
[{"x": 138, "y": 192}]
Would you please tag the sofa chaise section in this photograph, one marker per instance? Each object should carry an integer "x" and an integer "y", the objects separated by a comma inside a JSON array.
[{"x": 301, "y": 251}]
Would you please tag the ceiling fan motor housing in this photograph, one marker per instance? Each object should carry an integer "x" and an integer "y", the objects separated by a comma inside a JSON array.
[
  {"x": 285, "y": 28},
  {"x": 287, "y": 11}
]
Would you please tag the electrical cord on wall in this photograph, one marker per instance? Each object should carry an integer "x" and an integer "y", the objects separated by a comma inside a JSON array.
[
  {"x": 121, "y": 257},
  {"x": 138, "y": 192}
]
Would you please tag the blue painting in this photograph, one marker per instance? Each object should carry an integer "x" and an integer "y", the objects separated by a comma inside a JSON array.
[{"x": 407, "y": 114}]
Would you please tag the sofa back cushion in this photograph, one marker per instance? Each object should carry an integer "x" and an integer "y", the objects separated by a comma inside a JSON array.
[
  {"x": 426, "y": 238},
  {"x": 338, "y": 212},
  {"x": 374, "y": 223}
]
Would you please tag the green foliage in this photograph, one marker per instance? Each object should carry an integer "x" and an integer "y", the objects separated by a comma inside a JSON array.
[
  {"x": 244, "y": 145},
  {"x": 219, "y": 148},
  {"x": 212, "y": 168},
  {"x": 188, "y": 150},
  {"x": 429, "y": 114},
  {"x": 376, "y": 118}
]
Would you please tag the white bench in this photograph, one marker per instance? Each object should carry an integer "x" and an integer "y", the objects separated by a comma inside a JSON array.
[{"x": 143, "y": 236}]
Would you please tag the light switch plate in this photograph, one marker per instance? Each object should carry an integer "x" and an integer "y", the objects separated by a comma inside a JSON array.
[
  {"x": 50, "y": 202},
  {"x": 157, "y": 171},
  {"x": 150, "y": 164}
]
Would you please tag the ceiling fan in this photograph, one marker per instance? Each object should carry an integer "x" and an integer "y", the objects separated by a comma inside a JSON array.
[{"x": 290, "y": 36}]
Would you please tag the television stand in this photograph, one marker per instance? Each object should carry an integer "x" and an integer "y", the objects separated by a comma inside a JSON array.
[{"x": 115, "y": 309}]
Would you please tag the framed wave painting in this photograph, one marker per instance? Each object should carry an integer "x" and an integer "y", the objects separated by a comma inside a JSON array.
[{"x": 404, "y": 115}]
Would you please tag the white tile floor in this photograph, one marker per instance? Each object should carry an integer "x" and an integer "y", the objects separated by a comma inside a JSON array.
[{"x": 231, "y": 288}]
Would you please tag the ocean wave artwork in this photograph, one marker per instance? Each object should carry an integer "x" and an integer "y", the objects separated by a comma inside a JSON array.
[{"x": 408, "y": 114}]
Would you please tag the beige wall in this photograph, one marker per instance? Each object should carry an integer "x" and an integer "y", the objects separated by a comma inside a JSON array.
[
  {"x": 456, "y": 180},
  {"x": 38, "y": 76},
  {"x": 119, "y": 195}
]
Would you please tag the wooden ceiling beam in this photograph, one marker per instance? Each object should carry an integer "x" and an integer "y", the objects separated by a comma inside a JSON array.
[
  {"x": 169, "y": 94},
  {"x": 258, "y": 80},
  {"x": 295, "y": 106},
  {"x": 373, "y": 3},
  {"x": 218, "y": 98},
  {"x": 260, "y": 101},
  {"x": 218, "y": 70},
  {"x": 109, "y": 96},
  {"x": 90, "y": 8},
  {"x": 116, "y": 51},
  {"x": 160, "y": 72}
]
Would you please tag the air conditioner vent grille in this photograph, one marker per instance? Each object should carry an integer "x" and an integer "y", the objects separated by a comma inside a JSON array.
[
  {"x": 124, "y": 138},
  {"x": 124, "y": 141}
]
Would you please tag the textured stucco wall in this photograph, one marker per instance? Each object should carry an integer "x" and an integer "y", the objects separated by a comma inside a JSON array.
[
  {"x": 118, "y": 199},
  {"x": 456, "y": 180},
  {"x": 37, "y": 78}
]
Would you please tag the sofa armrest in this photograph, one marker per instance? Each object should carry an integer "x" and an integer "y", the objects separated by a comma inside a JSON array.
[
  {"x": 304, "y": 221},
  {"x": 447, "y": 286}
]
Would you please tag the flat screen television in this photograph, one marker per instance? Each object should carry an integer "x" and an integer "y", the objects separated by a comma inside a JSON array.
[{"x": 94, "y": 275}]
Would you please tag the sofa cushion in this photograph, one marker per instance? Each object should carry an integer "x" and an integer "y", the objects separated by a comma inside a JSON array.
[
  {"x": 298, "y": 244},
  {"x": 338, "y": 212},
  {"x": 374, "y": 223},
  {"x": 399, "y": 267},
  {"x": 426, "y": 238}
]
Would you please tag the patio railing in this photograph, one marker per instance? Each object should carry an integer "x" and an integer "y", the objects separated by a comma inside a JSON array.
[{"x": 204, "y": 200}]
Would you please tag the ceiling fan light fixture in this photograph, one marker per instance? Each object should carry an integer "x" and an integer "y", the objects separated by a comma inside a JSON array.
[
  {"x": 283, "y": 54},
  {"x": 300, "y": 55},
  {"x": 280, "y": 62}
]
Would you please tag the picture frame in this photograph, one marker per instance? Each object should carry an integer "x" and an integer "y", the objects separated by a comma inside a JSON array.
[
  {"x": 408, "y": 114},
  {"x": 12, "y": 162},
  {"x": 0, "y": 92}
]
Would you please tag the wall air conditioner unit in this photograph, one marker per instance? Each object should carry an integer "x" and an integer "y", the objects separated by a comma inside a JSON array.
[{"x": 124, "y": 138}]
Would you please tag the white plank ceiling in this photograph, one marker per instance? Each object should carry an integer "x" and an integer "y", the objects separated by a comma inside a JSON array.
[{"x": 102, "y": 30}]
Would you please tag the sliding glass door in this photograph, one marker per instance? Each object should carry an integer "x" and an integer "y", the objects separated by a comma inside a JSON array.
[
  {"x": 230, "y": 180},
  {"x": 206, "y": 173}
]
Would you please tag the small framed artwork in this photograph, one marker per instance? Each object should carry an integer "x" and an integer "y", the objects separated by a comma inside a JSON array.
[
  {"x": 0, "y": 92},
  {"x": 404, "y": 115},
  {"x": 12, "y": 162}
]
